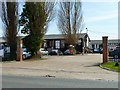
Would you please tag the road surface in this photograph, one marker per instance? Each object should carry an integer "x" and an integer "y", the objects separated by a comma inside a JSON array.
[
  {"x": 79, "y": 67},
  {"x": 13, "y": 81}
]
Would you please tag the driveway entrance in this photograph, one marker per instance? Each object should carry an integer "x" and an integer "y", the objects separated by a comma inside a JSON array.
[{"x": 80, "y": 67}]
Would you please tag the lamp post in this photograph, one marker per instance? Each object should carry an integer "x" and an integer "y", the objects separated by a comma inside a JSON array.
[{"x": 87, "y": 30}]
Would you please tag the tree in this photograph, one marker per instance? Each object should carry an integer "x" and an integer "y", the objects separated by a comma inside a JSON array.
[
  {"x": 70, "y": 21},
  {"x": 35, "y": 19},
  {"x": 10, "y": 18}
]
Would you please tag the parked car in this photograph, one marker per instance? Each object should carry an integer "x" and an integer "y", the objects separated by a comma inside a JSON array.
[
  {"x": 55, "y": 52},
  {"x": 43, "y": 51},
  {"x": 96, "y": 50},
  {"x": 25, "y": 53},
  {"x": 88, "y": 50},
  {"x": 67, "y": 52},
  {"x": 115, "y": 53}
]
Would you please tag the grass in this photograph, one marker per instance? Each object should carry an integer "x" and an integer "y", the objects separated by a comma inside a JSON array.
[{"x": 111, "y": 65}]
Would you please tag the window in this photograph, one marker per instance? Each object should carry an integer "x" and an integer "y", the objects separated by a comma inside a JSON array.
[
  {"x": 57, "y": 44},
  {"x": 93, "y": 46}
]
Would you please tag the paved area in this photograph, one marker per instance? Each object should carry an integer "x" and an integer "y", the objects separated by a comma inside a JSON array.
[
  {"x": 79, "y": 67},
  {"x": 11, "y": 81}
]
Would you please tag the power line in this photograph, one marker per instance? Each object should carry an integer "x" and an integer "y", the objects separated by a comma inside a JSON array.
[
  {"x": 103, "y": 32},
  {"x": 98, "y": 33}
]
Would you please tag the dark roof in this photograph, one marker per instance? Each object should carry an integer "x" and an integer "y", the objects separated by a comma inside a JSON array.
[
  {"x": 2, "y": 40},
  {"x": 51, "y": 36},
  {"x": 60, "y": 36}
]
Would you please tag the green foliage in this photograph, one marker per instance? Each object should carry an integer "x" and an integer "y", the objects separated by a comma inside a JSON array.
[
  {"x": 111, "y": 65},
  {"x": 32, "y": 43},
  {"x": 34, "y": 19}
]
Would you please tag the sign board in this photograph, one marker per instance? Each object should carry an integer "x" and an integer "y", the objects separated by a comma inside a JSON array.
[
  {"x": 2, "y": 52},
  {"x": 112, "y": 46}
]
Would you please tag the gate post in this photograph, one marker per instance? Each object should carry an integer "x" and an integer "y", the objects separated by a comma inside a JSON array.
[
  {"x": 105, "y": 48},
  {"x": 19, "y": 50}
]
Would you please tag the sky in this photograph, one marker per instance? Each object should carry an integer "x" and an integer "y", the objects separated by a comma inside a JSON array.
[{"x": 100, "y": 18}]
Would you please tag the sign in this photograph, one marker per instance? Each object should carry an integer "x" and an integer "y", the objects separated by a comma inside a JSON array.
[
  {"x": 2, "y": 52},
  {"x": 112, "y": 46}
]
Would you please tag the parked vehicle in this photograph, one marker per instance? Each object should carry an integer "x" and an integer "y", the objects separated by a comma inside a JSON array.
[
  {"x": 1, "y": 51},
  {"x": 55, "y": 52},
  {"x": 88, "y": 50},
  {"x": 67, "y": 52},
  {"x": 6, "y": 55},
  {"x": 25, "y": 53},
  {"x": 96, "y": 50},
  {"x": 43, "y": 51},
  {"x": 115, "y": 53}
]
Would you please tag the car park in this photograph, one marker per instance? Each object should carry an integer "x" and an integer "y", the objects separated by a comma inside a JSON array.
[{"x": 55, "y": 52}]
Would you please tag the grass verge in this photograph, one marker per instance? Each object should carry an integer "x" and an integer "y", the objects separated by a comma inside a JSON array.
[{"x": 111, "y": 65}]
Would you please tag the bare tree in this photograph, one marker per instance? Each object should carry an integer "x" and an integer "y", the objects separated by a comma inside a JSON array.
[
  {"x": 10, "y": 19},
  {"x": 70, "y": 21}
]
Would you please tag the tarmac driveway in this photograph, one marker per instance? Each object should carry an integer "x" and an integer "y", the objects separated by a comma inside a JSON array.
[{"x": 80, "y": 67}]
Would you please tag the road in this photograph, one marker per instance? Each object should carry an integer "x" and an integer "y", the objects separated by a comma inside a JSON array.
[{"x": 13, "y": 81}]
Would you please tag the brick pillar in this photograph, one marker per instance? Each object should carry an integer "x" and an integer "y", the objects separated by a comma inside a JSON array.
[
  {"x": 105, "y": 49},
  {"x": 19, "y": 50}
]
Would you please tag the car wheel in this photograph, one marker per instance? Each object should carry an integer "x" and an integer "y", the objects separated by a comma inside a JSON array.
[
  {"x": 116, "y": 56},
  {"x": 24, "y": 56}
]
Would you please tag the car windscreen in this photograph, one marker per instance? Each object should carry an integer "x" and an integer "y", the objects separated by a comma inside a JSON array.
[
  {"x": 54, "y": 50},
  {"x": 24, "y": 50}
]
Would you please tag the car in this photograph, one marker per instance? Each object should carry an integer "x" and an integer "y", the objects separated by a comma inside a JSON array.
[
  {"x": 25, "y": 53},
  {"x": 96, "y": 50},
  {"x": 43, "y": 51},
  {"x": 115, "y": 53},
  {"x": 67, "y": 52},
  {"x": 55, "y": 52}
]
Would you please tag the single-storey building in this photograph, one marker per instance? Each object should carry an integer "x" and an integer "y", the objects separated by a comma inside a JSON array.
[
  {"x": 57, "y": 41},
  {"x": 112, "y": 44}
]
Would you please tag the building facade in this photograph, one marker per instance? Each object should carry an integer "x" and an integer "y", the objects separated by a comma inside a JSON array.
[
  {"x": 97, "y": 44},
  {"x": 57, "y": 41}
]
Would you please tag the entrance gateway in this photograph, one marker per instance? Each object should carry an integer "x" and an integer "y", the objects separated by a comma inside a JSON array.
[
  {"x": 105, "y": 48},
  {"x": 19, "y": 50}
]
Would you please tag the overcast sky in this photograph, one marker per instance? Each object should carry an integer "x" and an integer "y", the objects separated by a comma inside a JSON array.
[{"x": 101, "y": 19}]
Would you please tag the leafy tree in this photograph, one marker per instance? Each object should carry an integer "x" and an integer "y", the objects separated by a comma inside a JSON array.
[
  {"x": 33, "y": 43},
  {"x": 35, "y": 19},
  {"x": 10, "y": 18},
  {"x": 70, "y": 21}
]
